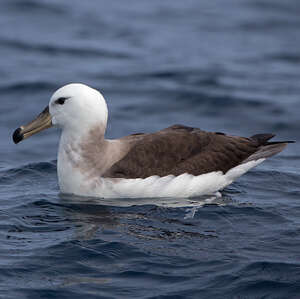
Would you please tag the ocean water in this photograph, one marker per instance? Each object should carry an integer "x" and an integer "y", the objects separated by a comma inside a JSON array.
[{"x": 229, "y": 66}]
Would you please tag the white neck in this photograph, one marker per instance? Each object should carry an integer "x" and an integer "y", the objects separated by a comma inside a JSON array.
[
  {"x": 71, "y": 157},
  {"x": 84, "y": 158}
]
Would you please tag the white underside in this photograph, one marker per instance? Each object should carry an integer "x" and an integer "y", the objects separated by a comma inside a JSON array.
[{"x": 181, "y": 186}]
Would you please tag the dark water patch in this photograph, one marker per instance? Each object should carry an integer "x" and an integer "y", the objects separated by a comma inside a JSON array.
[
  {"x": 31, "y": 6},
  {"x": 75, "y": 51},
  {"x": 275, "y": 180},
  {"x": 272, "y": 270},
  {"x": 35, "y": 292},
  {"x": 276, "y": 6},
  {"x": 293, "y": 58},
  {"x": 270, "y": 25},
  {"x": 29, "y": 171},
  {"x": 283, "y": 126},
  {"x": 30, "y": 87},
  {"x": 265, "y": 277}
]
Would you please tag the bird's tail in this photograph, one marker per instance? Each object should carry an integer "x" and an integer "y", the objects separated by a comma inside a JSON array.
[{"x": 266, "y": 149}]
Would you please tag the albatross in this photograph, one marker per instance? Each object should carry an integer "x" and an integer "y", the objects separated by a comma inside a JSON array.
[{"x": 178, "y": 161}]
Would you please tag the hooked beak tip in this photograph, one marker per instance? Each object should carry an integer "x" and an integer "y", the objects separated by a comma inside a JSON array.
[
  {"x": 41, "y": 122},
  {"x": 18, "y": 136}
]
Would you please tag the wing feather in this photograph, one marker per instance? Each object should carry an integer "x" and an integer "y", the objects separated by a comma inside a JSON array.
[{"x": 180, "y": 149}]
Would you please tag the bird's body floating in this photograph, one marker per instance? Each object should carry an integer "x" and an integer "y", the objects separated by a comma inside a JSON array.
[{"x": 178, "y": 161}]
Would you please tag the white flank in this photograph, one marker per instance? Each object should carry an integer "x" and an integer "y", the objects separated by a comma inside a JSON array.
[{"x": 184, "y": 185}]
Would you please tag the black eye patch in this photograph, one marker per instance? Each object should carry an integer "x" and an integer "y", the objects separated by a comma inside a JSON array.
[{"x": 61, "y": 101}]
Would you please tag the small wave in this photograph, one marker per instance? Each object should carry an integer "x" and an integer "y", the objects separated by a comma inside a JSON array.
[
  {"x": 58, "y": 49},
  {"x": 274, "y": 179},
  {"x": 29, "y": 171},
  {"x": 285, "y": 57},
  {"x": 262, "y": 278},
  {"x": 269, "y": 25},
  {"x": 32, "y": 6},
  {"x": 193, "y": 77},
  {"x": 27, "y": 87}
]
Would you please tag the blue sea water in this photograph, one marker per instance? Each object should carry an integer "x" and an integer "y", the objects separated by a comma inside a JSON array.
[{"x": 231, "y": 66}]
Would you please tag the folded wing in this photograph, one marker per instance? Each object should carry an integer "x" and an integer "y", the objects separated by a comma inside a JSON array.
[{"x": 180, "y": 149}]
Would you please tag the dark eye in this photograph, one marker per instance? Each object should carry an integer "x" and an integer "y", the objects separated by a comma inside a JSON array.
[{"x": 60, "y": 101}]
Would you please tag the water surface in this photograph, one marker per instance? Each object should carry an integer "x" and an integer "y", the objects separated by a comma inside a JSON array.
[{"x": 231, "y": 67}]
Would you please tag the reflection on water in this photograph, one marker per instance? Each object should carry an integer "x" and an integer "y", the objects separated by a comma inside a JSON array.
[
  {"x": 91, "y": 217},
  {"x": 170, "y": 202},
  {"x": 93, "y": 214}
]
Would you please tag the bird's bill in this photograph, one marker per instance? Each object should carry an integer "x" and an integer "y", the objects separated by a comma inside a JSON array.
[{"x": 42, "y": 122}]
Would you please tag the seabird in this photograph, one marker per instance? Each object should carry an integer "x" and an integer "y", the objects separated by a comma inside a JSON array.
[{"x": 178, "y": 161}]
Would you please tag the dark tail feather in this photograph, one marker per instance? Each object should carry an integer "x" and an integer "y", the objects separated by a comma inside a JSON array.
[
  {"x": 278, "y": 142},
  {"x": 262, "y": 139},
  {"x": 266, "y": 149}
]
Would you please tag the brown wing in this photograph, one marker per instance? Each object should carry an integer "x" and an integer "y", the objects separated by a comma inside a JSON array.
[{"x": 180, "y": 149}]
